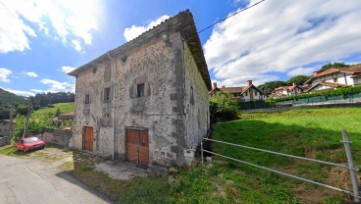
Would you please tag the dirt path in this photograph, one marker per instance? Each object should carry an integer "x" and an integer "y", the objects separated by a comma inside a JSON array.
[{"x": 34, "y": 181}]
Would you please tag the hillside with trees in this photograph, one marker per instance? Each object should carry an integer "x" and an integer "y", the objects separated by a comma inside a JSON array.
[{"x": 7, "y": 98}]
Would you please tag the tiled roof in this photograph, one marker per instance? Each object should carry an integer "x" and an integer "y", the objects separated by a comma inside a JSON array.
[
  {"x": 330, "y": 84},
  {"x": 183, "y": 22},
  {"x": 327, "y": 72},
  {"x": 240, "y": 89},
  {"x": 233, "y": 89},
  {"x": 353, "y": 70},
  {"x": 288, "y": 88}
]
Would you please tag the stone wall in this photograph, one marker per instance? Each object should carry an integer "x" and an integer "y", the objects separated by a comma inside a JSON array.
[
  {"x": 58, "y": 136},
  {"x": 196, "y": 107}
]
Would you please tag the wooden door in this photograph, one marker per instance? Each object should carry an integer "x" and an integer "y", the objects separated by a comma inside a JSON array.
[
  {"x": 137, "y": 146},
  {"x": 88, "y": 138}
]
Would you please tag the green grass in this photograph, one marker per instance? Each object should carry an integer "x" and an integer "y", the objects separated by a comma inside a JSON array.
[
  {"x": 10, "y": 150},
  {"x": 312, "y": 133},
  {"x": 63, "y": 107}
]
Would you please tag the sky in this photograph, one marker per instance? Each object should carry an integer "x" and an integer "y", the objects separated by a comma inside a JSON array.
[{"x": 42, "y": 40}]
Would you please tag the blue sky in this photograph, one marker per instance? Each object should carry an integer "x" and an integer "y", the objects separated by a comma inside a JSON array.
[{"x": 41, "y": 40}]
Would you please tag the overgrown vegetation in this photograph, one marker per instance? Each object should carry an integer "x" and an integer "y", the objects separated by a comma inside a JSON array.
[
  {"x": 42, "y": 120},
  {"x": 222, "y": 107}
]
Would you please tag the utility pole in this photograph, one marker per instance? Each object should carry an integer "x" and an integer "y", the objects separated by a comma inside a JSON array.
[
  {"x": 27, "y": 117},
  {"x": 11, "y": 120}
]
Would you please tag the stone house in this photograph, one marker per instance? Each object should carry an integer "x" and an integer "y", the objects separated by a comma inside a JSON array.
[
  {"x": 147, "y": 100},
  {"x": 243, "y": 93}
]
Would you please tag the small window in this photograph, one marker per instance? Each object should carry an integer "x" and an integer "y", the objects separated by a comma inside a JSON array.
[
  {"x": 192, "y": 96},
  {"x": 87, "y": 99},
  {"x": 335, "y": 79},
  {"x": 106, "y": 94},
  {"x": 140, "y": 90},
  {"x": 255, "y": 93},
  {"x": 246, "y": 93}
]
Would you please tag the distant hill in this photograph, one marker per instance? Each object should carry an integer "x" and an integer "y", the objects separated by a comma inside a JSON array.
[{"x": 10, "y": 98}]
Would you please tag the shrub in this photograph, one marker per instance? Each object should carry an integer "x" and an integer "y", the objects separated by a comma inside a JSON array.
[{"x": 222, "y": 108}]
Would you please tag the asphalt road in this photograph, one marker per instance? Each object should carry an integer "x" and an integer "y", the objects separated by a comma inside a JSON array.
[{"x": 33, "y": 181}]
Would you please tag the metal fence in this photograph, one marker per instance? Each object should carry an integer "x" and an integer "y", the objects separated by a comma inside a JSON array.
[
  {"x": 350, "y": 165},
  {"x": 4, "y": 141},
  {"x": 318, "y": 100}
]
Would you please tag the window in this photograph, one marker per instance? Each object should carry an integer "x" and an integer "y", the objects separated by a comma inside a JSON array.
[
  {"x": 140, "y": 90},
  {"x": 106, "y": 94},
  {"x": 87, "y": 99},
  {"x": 246, "y": 93},
  {"x": 335, "y": 79},
  {"x": 255, "y": 93},
  {"x": 192, "y": 96}
]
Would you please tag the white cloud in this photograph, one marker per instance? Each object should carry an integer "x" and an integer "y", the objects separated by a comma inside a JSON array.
[
  {"x": 66, "y": 20},
  {"x": 31, "y": 74},
  {"x": 37, "y": 90},
  {"x": 56, "y": 86},
  {"x": 76, "y": 45},
  {"x": 134, "y": 31},
  {"x": 19, "y": 92},
  {"x": 67, "y": 69},
  {"x": 4, "y": 74},
  {"x": 282, "y": 37},
  {"x": 301, "y": 71}
]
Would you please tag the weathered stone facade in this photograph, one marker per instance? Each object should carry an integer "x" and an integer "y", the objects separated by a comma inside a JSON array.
[{"x": 157, "y": 82}]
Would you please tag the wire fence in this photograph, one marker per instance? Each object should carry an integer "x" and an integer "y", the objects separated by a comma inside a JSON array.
[{"x": 350, "y": 164}]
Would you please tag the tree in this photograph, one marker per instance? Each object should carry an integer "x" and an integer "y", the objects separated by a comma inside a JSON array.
[
  {"x": 333, "y": 65},
  {"x": 222, "y": 107},
  {"x": 268, "y": 87},
  {"x": 298, "y": 79}
]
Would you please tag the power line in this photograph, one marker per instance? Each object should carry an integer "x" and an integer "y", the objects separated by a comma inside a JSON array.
[{"x": 253, "y": 5}]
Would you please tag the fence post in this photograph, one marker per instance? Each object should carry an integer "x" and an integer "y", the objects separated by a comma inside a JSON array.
[
  {"x": 202, "y": 150},
  {"x": 350, "y": 165}
]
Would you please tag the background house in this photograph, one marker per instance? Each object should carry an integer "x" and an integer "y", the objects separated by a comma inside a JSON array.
[
  {"x": 286, "y": 91},
  {"x": 334, "y": 78},
  {"x": 243, "y": 93},
  {"x": 147, "y": 100}
]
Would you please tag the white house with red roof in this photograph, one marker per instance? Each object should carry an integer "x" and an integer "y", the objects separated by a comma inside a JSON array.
[
  {"x": 334, "y": 78},
  {"x": 286, "y": 91},
  {"x": 242, "y": 93}
]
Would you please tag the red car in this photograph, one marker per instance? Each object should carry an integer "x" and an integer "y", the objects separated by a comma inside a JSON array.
[{"x": 30, "y": 143}]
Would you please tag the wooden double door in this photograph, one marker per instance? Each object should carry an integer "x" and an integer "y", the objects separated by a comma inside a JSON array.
[
  {"x": 88, "y": 138},
  {"x": 137, "y": 144}
]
